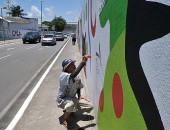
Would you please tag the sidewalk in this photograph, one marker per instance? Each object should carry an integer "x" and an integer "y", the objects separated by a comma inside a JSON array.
[
  {"x": 43, "y": 113},
  {"x": 10, "y": 41}
]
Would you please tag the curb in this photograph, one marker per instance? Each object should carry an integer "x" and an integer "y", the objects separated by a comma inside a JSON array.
[
  {"x": 28, "y": 87},
  {"x": 10, "y": 41}
]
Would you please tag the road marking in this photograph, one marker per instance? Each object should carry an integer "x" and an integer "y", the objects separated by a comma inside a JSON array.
[
  {"x": 8, "y": 44},
  {"x": 5, "y": 56},
  {"x": 40, "y": 49},
  {"x": 10, "y": 48},
  {"x": 21, "y": 111},
  {"x": 30, "y": 47}
]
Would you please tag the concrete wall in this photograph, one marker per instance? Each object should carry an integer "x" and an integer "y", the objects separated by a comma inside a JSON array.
[
  {"x": 21, "y": 26},
  {"x": 129, "y": 73},
  {"x": 13, "y": 33},
  {"x": 18, "y": 30}
]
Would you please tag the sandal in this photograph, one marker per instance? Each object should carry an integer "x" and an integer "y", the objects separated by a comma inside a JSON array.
[{"x": 65, "y": 124}]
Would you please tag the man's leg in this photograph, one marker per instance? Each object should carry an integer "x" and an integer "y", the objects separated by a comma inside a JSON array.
[{"x": 66, "y": 116}]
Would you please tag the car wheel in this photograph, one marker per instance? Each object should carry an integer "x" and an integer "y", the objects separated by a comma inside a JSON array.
[{"x": 39, "y": 40}]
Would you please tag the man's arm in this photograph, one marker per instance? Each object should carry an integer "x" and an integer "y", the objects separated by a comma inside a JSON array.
[{"x": 78, "y": 69}]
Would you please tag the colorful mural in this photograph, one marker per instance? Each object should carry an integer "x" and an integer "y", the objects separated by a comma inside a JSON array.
[{"x": 128, "y": 76}]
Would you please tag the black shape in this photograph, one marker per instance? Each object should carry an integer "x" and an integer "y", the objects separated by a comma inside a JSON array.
[{"x": 146, "y": 21}]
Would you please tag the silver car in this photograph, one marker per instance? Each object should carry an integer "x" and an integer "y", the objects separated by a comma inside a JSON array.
[
  {"x": 65, "y": 35},
  {"x": 59, "y": 36},
  {"x": 48, "y": 39}
]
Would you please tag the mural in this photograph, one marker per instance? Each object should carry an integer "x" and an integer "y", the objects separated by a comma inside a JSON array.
[
  {"x": 128, "y": 76},
  {"x": 16, "y": 33},
  {"x": 1, "y": 34}
]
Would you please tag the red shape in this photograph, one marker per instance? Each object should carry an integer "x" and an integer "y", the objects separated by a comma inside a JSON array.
[
  {"x": 93, "y": 27},
  {"x": 117, "y": 95},
  {"x": 101, "y": 101}
]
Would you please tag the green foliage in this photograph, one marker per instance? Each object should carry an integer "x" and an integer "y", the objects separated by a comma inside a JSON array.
[
  {"x": 16, "y": 11},
  {"x": 48, "y": 23},
  {"x": 59, "y": 23}
]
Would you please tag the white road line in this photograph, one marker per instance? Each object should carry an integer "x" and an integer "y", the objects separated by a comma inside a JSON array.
[
  {"x": 9, "y": 44},
  {"x": 10, "y": 49},
  {"x": 30, "y": 47},
  {"x": 40, "y": 49},
  {"x": 21, "y": 111},
  {"x": 5, "y": 56}
]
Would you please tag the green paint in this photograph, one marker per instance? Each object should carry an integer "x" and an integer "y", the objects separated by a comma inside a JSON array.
[
  {"x": 131, "y": 118},
  {"x": 86, "y": 44},
  {"x": 114, "y": 11}
]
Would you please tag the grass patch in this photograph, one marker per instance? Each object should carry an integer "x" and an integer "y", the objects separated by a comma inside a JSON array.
[{"x": 6, "y": 39}]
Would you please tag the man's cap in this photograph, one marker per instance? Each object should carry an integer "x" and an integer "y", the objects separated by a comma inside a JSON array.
[{"x": 66, "y": 62}]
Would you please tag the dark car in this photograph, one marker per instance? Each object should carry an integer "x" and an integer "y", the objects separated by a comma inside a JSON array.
[
  {"x": 31, "y": 37},
  {"x": 59, "y": 36}
]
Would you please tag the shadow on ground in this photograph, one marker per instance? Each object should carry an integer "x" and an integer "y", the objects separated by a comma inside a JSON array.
[{"x": 76, "y": 117}]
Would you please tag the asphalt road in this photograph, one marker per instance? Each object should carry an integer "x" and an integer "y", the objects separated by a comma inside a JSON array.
[{"x": 19, "y": 64}]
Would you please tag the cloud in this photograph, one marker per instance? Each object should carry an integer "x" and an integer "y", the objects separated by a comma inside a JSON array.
[
  {"x": 35, "y": 12},
  {"x": 69, "y": 12},
  {"x": 49, "y": 11},
  {"x": 47, "y": 14},
  {"x": 73, "y": 14},
  {"x": 14, "y": 2}
]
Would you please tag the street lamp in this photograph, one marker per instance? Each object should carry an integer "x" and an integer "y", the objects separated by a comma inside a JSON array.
[
  {"x": 3, "y": 23},
  {"x": 41, "y": 18}
]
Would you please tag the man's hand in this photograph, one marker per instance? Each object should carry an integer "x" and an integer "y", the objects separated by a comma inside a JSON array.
[
  {"x": 83, "y": 98},
  {"x": 87, "y": 56}
]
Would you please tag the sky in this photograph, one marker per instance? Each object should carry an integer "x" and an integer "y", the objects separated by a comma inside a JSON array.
[{"x": 67, "y": 9}]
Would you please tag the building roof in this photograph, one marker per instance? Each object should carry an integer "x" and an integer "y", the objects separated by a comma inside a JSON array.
[
  {"x": 74, "y": 23},
  {"x": 15, "y": 19}
]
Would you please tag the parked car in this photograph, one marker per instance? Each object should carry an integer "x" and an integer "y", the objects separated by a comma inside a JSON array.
[
  {"x": 31, "y": 37},
  {"x": 48, "y": 39},
  {"x": 59, "y": 36}
]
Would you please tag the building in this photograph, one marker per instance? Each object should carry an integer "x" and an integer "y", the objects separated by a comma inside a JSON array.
[
  {"x": 44, "y": 27},
  {"x": 70, "y": 27},
  {"x": 16, "y": 27}
]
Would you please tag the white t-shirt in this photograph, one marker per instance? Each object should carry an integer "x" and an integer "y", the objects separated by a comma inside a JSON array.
[{"x": 68, "y": 88}]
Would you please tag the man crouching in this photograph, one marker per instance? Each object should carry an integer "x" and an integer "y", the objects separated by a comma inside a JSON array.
[{"x": 69, "y": 92}]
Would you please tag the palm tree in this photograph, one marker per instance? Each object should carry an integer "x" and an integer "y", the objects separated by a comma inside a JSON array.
[{"x": 16, "y": 11}]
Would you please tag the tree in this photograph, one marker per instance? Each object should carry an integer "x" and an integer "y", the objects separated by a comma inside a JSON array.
[
  {"x": 48, "y": 23},
  {"x": 59, "y": 23},
  {"x": 16, "y": 11}
]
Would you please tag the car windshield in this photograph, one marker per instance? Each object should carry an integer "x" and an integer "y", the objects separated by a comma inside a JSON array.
[
  {"x": 48, "y": 36},
  {"x": 59, "y": 33},
  {"x": 29, "y": 34}
]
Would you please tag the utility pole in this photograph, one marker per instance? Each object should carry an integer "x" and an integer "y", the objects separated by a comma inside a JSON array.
[
  {"x": 3, "y": 23},
  {"x": 8, "y": 8},
  {"x": 41, "y": 18}
]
